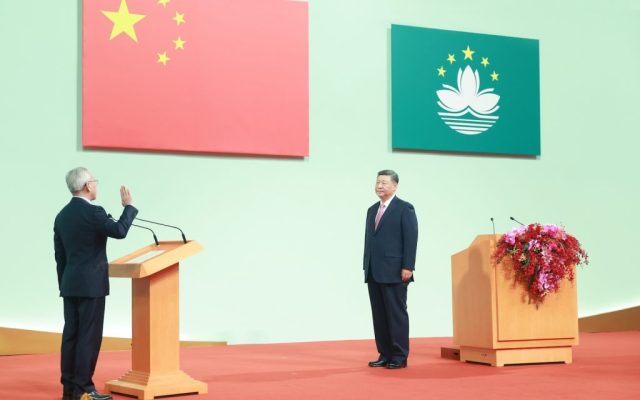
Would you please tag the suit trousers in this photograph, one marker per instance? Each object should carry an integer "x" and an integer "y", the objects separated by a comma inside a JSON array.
[
  {"x": 81, "y": 340},
  {"x": 390, "y": 319}
]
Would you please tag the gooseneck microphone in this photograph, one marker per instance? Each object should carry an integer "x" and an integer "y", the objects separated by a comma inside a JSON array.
[
  {"x": 494, "y": 226},
  {"x": 184, "y": 239},
  {"x": 155, "y": 239},
  {"x": 513, "y": 219}
]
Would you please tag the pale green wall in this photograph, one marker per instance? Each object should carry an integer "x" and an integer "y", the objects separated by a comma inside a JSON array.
[{"x": 283, "y": 238}]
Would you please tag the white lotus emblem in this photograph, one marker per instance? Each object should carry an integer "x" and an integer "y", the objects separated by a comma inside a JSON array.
[{"x": 468, "y": 99}]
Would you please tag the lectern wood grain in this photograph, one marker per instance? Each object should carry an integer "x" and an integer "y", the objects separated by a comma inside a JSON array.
[
  {"x": 493, "y": 321},
  {"x": 155, "y": 364}
]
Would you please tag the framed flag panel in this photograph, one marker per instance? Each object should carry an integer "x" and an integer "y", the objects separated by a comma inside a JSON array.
[
  {"x": 205, "y": 76},
  {"x": 464, "y": 92}
]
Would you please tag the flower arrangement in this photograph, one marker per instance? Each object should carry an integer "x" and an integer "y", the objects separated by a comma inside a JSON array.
[{"x": 542, "y": 256}]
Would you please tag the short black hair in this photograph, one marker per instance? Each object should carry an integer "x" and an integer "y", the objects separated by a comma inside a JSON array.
[{"x": 390, "y": 173}]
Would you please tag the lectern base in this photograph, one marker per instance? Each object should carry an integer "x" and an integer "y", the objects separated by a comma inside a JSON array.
[
  {"x": 146, "y": 386},
  {"x": 501, "y": 357}
]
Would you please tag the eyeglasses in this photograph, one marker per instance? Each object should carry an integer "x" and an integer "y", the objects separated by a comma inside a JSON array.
[{"x": 93, "y": 180}]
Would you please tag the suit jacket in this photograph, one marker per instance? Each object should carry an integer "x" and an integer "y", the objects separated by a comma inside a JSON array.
[
  {"x": 80, "y": 235},
  {"x": 391, "y": 247}
]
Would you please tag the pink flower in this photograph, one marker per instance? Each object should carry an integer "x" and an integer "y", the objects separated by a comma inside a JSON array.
[{"x": 534, "y": 244}]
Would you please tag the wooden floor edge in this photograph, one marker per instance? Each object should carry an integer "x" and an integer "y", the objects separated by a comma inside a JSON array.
[
  {"x": 23, "y": 341},
  {"x": 627, "y": 319}
]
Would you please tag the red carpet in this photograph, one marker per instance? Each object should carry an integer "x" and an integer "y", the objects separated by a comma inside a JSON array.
[{"x": 605, "y": 366}]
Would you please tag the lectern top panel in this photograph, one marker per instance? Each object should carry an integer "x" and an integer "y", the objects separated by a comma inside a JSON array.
[
  {"x": 146, "y": 256},
  {"x": 151, "y": 259},
  {"x": 148, "y": 252},
  {"x": 483, "y": 239}
]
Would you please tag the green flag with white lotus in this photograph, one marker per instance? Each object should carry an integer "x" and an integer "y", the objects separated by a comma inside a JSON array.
[{"x": 464, "y": 92}]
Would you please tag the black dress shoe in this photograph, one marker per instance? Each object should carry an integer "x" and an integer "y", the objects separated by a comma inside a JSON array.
[
  {"x": 380, "y": 362},
  {"x": 96, "y": 396},
  {"x": 397, "y": 365}
]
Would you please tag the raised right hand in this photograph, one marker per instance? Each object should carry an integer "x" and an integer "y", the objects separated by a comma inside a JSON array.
[{"x": 125, "y": 195}]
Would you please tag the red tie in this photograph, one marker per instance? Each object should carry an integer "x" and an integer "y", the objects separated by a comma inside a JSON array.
[{"x": 379, "y": 215}]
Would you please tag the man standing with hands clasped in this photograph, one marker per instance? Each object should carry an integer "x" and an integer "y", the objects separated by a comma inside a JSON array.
[
  {"x": 391, "y": 239},
  {"x": 80, "y": 235}
]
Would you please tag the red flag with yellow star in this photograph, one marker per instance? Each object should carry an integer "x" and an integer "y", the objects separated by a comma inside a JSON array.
[{"x": 204, "y": 76}]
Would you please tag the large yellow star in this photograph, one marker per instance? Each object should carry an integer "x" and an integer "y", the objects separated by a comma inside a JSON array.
[
  {"x": 494, "y": 76},
  {"x": 163, "y": 58},
  {"x": 468, "y": 53},
  {"x": 179, "y": 18},
  {"x": 451, "y": 58},
  {"x": 123, "y": 21},
  {"x": 179, "y": 43},
  {"x": 441, "y": 71},
  {"x": 485, "y": 61},
  {"x": 164, "y": 2}
]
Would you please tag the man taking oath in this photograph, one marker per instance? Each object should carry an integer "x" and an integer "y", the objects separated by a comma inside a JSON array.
[{"x": 80, "y": 233}]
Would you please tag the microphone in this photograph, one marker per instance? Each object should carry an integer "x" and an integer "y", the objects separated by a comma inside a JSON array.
[
  {"x": 184, "y": 239},
  {"x": 155, "y": 239},
  {"x": 513, "y": 219},
  {"x": 494, "y": 226}
]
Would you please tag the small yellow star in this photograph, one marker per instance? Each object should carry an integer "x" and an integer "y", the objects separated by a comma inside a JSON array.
[
  {"x": 164, "y": 2},
  {"x": 163, "y": 58},
  {"x": 494, "y": 76},
  {"x": 468, "y": 53},
  {"x": 179, "y": 43},
  {"x": 179, "y": 18},
  {"x": 451, "y": 58},
  {"x": 123, "y": 21},
  {"x": 485, "y": 61},
  {"x": 441, "y": 71}
]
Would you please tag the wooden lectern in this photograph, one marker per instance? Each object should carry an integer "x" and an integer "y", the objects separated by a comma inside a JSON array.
[
  {"x": 493, "y": 320},
  {"x": 155, "y": 353}
]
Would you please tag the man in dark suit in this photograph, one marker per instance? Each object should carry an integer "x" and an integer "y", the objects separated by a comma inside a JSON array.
[
  {"x": 80, "y": 239},
  {"x": 391, "y": 239}
]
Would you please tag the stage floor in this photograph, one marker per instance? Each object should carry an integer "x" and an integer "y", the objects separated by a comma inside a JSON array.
[{"x": 605, "y": 366}]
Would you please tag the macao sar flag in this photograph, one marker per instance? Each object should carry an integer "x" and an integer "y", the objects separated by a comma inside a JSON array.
[
  {"x": 464, "y": 92},
  {"x": 198, "y": 76}
]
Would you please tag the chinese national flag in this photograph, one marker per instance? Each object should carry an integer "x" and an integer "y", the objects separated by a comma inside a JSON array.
[{"x": 205, "y": 76}]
